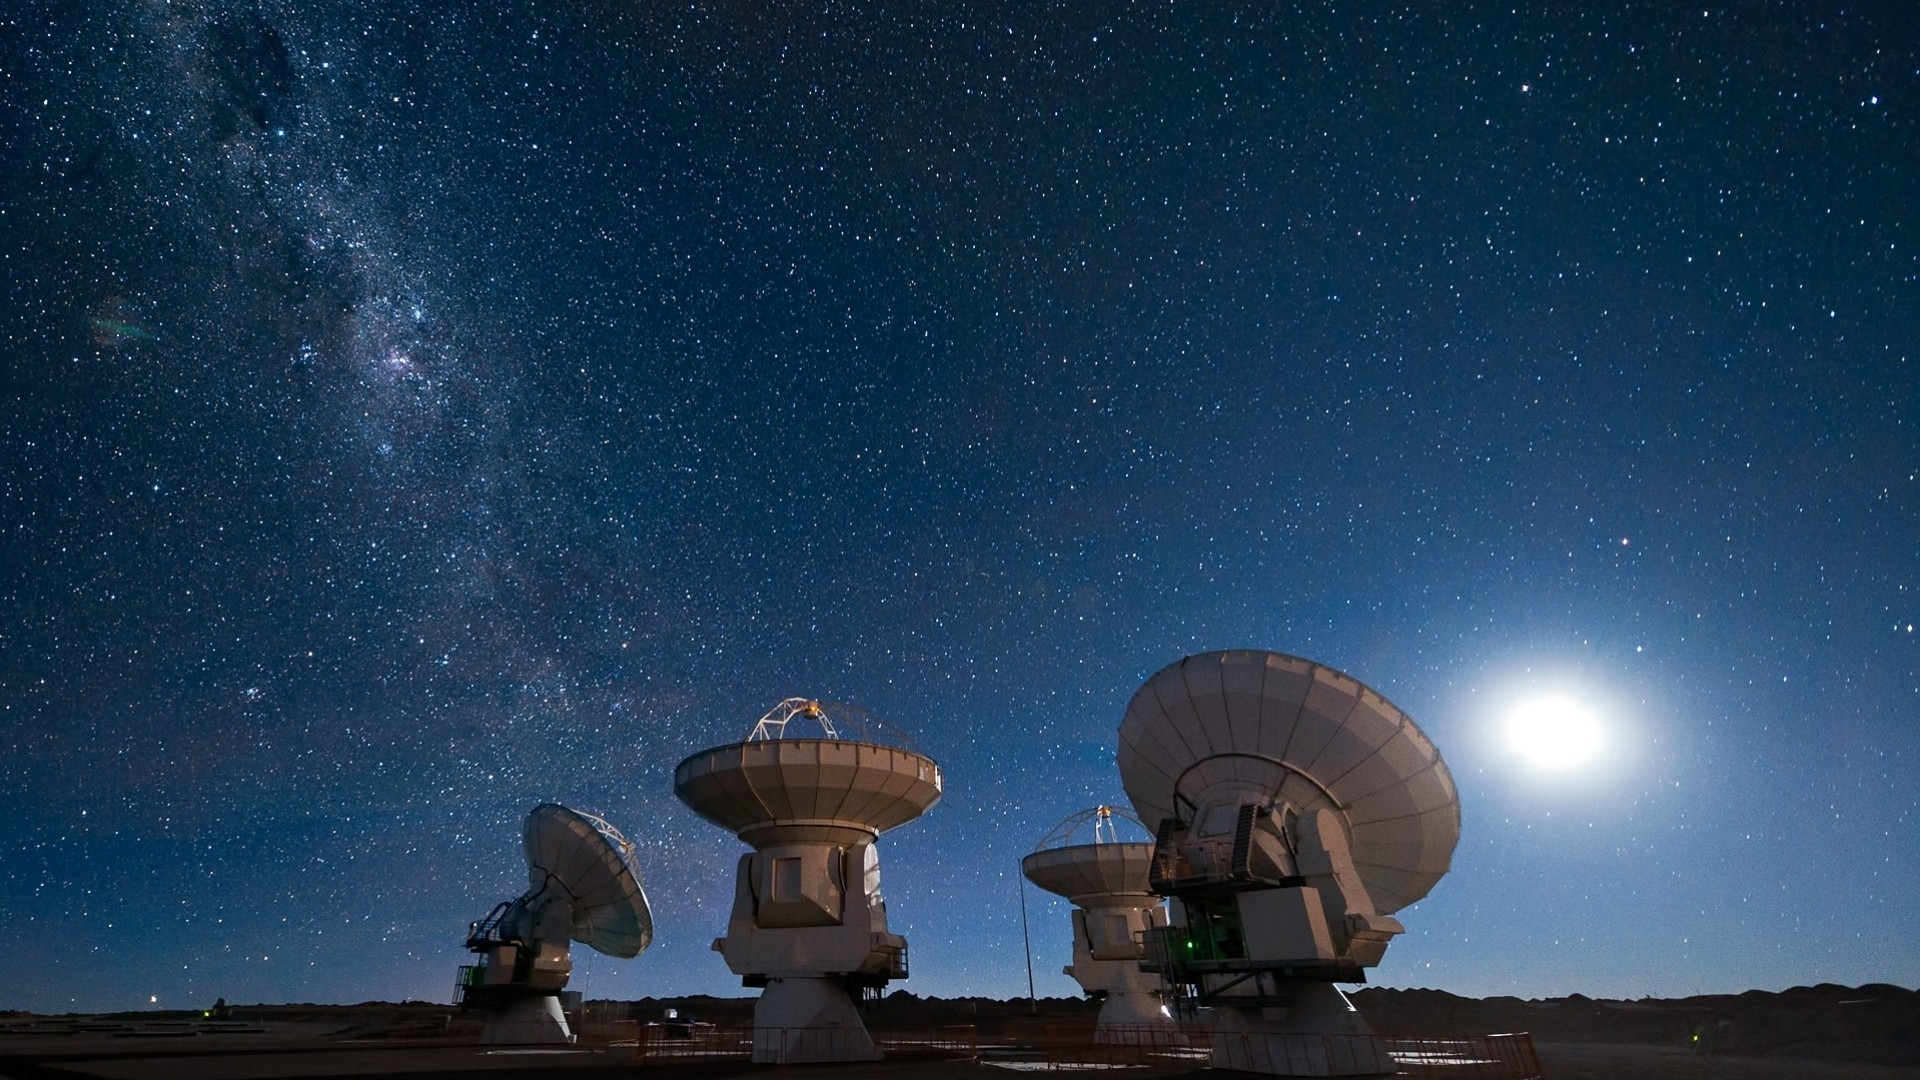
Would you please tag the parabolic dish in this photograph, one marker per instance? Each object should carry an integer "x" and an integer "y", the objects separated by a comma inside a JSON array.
[
  {"x": 1092, "y": 870},
  {"x": 1083, "y": 856},
  {"x": 1257, "y": 726},
  {"x": 833, "y": 783},
  {"x": 567, "y": 850}
]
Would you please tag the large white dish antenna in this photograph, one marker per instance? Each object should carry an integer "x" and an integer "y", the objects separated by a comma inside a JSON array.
[
  {"x": 808, "y": 922},
  {"x": 1083, "y": 858},
  {"x": 787, "y": 787},
  {"x": 1251, "y": 726},
  {"x": 1085, "y": 873},
  {"x": 591, "y": 862}
]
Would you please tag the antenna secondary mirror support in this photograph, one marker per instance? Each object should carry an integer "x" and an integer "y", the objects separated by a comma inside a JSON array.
[
  {"x": 582, "y": 887},
  {"x": 808, "y": 925},
  {"x": 1294, "y": 810}
]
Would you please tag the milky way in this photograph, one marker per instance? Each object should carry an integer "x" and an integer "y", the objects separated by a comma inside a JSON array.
[{"x": 415, "y": 415}]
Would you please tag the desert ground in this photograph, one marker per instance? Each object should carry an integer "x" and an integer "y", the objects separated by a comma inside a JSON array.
[{"x": 1808, "y": 1033}]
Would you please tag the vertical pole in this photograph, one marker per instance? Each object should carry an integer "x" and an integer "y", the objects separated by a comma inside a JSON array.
[{"x": 1033, "y": 1003}]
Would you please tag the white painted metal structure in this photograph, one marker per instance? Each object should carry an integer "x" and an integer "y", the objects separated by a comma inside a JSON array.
[
  {"x": 1295, "y": 810},
  {"x": 808, "y": 921},
  {"x": 581, "y": 887},
  {"x": 1084, "y": 860}
]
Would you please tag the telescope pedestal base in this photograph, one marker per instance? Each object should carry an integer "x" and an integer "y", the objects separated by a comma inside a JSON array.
[
  {"x": 1131, "y": 1016},
  {"x": 1317, "y": 1033},
  {"x": 801, "y": 1019},
  {"x": 531, "y": 1019}
]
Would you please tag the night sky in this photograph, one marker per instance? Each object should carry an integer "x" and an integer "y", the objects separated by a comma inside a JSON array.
[{"x": 414, "y": 412}]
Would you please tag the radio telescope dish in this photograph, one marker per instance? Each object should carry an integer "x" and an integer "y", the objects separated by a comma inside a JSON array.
[
  {"x": 1294, "y": 810},
  {"x": 594, "y": 863},
  {"x": 1084, "y": 860},
  {"x": 808, "y": 922},
  {"x": 1267, "y": 726},
  {"x": 852, "y": 790},
  {"x": 1083, "y": 856},
  {"x": 581, "y": 887}
]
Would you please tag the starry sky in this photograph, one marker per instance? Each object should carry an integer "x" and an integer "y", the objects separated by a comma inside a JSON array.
[{"x": 415, "y": 412}]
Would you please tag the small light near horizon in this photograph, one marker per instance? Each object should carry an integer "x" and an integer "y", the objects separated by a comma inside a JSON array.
[{"x": 1553, "y": 733}]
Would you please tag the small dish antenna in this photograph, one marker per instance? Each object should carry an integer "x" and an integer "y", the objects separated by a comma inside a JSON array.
[
  {"x": 808, "y": 923},
  {"x": 1294, "y": 810},
  {"x": 1084, "y": 860},
  {"x": 581, "y": 887}
]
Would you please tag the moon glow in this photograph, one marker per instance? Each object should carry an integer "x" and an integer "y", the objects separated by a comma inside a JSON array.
[{"x": 1554, "y": 733}]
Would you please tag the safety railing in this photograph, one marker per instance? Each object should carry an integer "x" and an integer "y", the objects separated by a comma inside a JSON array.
[
  {"x": 671, "y": 1042},
  {"x": 1296, "y": 1054},
  {"x": 1148, "y": 1048},
  {"x": 1163, "y": 1049},
  {"x": 1466, "y": 1057},
  {"x": 1153, "y": 1047}
]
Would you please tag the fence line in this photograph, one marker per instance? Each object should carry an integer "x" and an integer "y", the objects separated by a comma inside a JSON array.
[
  {"x": 1164, "y": 1049},
  {"x": 664, "y": 1042},
  {"x": 1466, "y": 1057},
  {"x": 1154, "y": 1048}
]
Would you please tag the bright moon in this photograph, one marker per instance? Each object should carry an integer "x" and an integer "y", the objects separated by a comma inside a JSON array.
[{"x": 1553, "y": 732}]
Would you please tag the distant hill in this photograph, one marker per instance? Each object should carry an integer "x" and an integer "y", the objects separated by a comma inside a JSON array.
[{"x": 1874, "y": 1023}]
